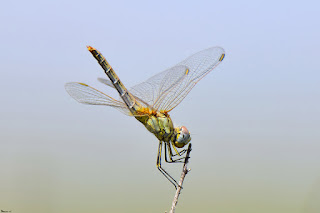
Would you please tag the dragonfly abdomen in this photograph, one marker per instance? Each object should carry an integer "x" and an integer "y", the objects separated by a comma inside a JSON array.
[{"x": 126, "y": 96}]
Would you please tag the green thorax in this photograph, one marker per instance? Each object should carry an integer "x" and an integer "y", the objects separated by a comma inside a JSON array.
[{"x": 159, "y": 124}]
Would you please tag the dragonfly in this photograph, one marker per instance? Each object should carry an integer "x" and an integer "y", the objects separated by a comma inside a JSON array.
[{"x": 151, "y": 101}]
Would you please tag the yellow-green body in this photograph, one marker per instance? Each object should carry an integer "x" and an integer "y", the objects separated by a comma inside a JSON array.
[
  {"x": 151, "y": 100},
  {"x": 154, "y": 117},
  {"x": 158, "y": 123}
]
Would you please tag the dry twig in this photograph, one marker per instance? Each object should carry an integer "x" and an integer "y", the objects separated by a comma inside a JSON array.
[{"x": 185, "y": 170}]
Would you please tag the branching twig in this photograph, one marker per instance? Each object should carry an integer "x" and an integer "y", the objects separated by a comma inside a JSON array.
[{"x": 185, "y": 170}]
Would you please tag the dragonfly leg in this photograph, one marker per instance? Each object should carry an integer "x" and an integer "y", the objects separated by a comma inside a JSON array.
[
  {"x": 167, "y": 148},
  {"x": 166, "y": 174},
  {"x": 171, "y": 160},
  {"x": 178, "y": 153}
]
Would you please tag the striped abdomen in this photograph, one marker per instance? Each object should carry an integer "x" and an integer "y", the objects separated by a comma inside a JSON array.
[
  {"x": 126, "y": 96},
  {"x": 157, "y": 123}
]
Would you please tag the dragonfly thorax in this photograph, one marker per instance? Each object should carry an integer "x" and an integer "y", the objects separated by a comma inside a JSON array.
[{"x": 159, "y": 124}]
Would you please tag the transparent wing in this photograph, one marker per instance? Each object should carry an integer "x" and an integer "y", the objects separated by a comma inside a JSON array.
[
  {"x": 106, "y": 82},
  {"x": 167, "y": 89},
  {"x": 157, "y": 88},
  {"x": 141, "y": 101},
  {"x": 85, "y": 94}
]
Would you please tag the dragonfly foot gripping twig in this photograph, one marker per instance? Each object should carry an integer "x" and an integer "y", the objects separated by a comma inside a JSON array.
[{"x": 185, "y": 170}]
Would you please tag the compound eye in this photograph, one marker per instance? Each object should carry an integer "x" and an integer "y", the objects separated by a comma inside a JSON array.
[{"x": 183, "y": 137}]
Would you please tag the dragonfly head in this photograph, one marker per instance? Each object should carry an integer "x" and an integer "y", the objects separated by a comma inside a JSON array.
[{"x": 182, "y": 137}]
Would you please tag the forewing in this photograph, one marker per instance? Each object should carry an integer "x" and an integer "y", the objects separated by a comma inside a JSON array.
[
  {"x": 155, "y": 89},
  {"x": 167, "y": 89},
  {"x": 106, "y": 82},
  {"x": 141, "y": 101},
  {"x": 85, "y": 94}
]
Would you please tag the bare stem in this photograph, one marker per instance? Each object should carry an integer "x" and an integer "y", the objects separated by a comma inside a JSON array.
[{"x": 183, "y": 174}]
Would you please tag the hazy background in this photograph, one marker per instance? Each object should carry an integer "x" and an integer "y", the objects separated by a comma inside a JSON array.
[{"x": 254, "y": 120}]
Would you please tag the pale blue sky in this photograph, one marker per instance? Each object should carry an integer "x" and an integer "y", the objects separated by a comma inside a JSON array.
[{"x": 254, "y": 120}]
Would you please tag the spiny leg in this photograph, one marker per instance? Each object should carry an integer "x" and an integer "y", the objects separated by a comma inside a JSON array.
[
  {"x": 165, "y": 153},
  {"x": 178, "y": 153},
  {"x": 166, "y": 174},
  {"x": 167, "y": 148},
  {"x": 178, "y": 160}
]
